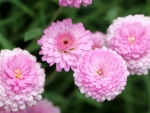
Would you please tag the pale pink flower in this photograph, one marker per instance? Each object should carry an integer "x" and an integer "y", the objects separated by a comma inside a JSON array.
[
  {"x": 44, "y": 106},
  {"x": 74, "y": 3},
  {"x": 98, "y": 39},
  {"x": 63, "y": 43},
  {"x": 130, "y": 36},
  {"x": 101, "y": 74},
  {"x": 22, "y": 79}
]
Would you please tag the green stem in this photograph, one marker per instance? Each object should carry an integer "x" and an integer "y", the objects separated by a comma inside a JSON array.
[
  {"x": 147, "y": 82},
  {"x": 56, "y": 14},
  {"x": 50, "y": 77}
]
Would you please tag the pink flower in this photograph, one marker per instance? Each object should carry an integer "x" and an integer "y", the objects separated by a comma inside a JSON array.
[
  {"x": 130, "y": 36},
  {"x": 74, "y": 3},
  {"x": 44, "y": 106},
  {"x": 63, "y": 43},
  {"x": 98, "y": 39},
  {"x": 22, "y": 79},
  {"x": 101, "y": 74}
]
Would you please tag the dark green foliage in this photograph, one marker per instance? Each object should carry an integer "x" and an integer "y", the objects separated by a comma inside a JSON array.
[{"x": 22, "y": 23}]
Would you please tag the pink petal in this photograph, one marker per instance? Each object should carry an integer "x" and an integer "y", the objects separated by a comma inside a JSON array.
[
  {"x": 58, "y": 68},
  {"x": 62, "y": 63},
  {"x": 57, "y": 54},
  {"x": 66, "y": 57},
  {"x": 10, "y": 82},
  {"x": 22, "y": 84},
  {"x": 16, "y": 88},
  {"x": 67, "y": 68},
  {"x": 10, "y": 73}
]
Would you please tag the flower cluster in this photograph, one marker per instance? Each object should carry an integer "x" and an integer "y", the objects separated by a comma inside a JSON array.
[
  {"x": 101, "y": 62},
  {"x": 99, "y": 72}
]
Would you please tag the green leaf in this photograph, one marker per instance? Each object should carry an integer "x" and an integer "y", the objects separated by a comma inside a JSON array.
[
  {"x": 5, "y": 43},
  {"x": 23, "y": 7},
  {"x": 112, "y": 13},
  {"x": 33, "y": 47},
  {"x": 53, "y": 96},
  {"x": 11, "y": 19},
  {"x": 33, "y": 34}
]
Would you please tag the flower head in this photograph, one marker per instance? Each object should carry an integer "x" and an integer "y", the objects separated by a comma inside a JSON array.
[
  {"x": 22, "y": 79},
  {"x": 98, "y": 39},
  {"x": 130, "y": 36},
  {"x": 101, "y": 74},
  {"x": 74, "y": 3},
  {"x": 44, "y": 106},
  {"x": 63, "y": 43}
]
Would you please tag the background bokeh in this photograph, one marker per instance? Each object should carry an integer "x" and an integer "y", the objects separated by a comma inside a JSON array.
[{"x": 22, "y": 23}]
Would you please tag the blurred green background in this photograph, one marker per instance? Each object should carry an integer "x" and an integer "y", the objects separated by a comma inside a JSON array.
[{"x": 22, "y": 23}]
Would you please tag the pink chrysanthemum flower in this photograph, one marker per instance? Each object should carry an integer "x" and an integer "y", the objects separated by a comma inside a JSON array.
[
  {"x": 44, "y": 106},
  {"x": 101, "y": 74},
  {"x": 22, "y": 78},
  {"x": 130, "y": 36},
  {"x": 74, "y": 3},
  {"x": 98, "y": 40},
  {"x": 63, "y": 43}
]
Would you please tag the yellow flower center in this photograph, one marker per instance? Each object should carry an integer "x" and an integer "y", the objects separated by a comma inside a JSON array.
[
  {"x": 100, "y": 72},
  {"x": 131, "y": 40},
  {"x": 18, "y": 74}
]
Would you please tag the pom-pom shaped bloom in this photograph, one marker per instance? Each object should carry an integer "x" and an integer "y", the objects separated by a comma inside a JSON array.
[
  {"x": 101, "y": 74},
  {"x": 98, "y": 40},
  {"x": 74, "y": 3},
  {"x": 44, "y": 106},
  {"x": 130, "y": 36},
  {"x": 22, "y": 79},
  {"x": 63, "y": 43}
]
